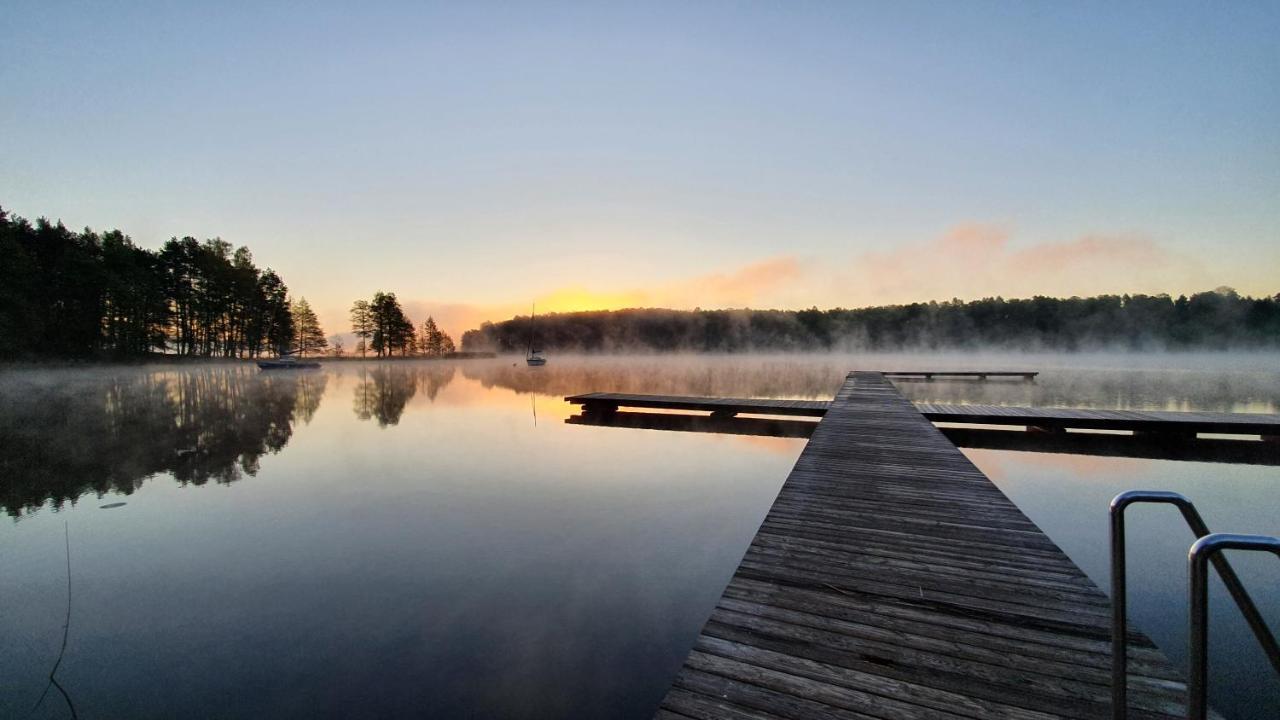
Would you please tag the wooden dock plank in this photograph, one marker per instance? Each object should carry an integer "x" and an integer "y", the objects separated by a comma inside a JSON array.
[{"x": 891, "y": 579}]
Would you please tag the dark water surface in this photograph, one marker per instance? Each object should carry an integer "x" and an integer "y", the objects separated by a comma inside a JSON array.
[{"x": 430, "y": 539}]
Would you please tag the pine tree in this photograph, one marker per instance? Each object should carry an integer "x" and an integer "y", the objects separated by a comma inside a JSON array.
[
  {"x": 391, "y": 329},
  {"x": 410, "y": 340},
  {"x": 307, "y": 331},
  {"x": 362, "y": 324},
  {"x": 275, "y": 314},
  {"x": 430, "y": 338}
]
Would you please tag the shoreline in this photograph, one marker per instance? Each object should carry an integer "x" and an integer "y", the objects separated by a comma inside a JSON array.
[{"x": 64, "y": 363}]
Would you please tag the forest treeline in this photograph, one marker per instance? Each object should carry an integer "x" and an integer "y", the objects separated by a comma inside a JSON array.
[
  {"x": 89, "y": 294},
  {"x": 86, "y": 294},
  {"x": 1208, "y": 321},
  {"x": 382, "y": 326}
]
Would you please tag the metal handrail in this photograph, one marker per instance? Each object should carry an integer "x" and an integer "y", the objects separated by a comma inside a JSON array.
[
  {"x": 1208, "y": 548},
  {"x": 1119, "y": 590}
]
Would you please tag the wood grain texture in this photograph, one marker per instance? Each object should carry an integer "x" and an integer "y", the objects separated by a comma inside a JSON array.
[{"x": 891, "y": 579}]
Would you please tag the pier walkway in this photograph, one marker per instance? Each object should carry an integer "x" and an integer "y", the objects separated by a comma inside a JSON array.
[
  {"x": 1051, "y": 419},
  {"x": 891, "y": 579}
]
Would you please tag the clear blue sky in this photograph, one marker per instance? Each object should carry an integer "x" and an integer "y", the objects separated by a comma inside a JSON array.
[{"x": 474, "y": 156}]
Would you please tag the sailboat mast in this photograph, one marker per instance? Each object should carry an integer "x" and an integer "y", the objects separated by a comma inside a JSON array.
[{"x": 532, "y": 313}]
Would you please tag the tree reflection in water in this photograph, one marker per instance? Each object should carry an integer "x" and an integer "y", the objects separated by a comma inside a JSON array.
[
  {"x": 66, "y": 434},
  {"x": 385, "y": 389}
]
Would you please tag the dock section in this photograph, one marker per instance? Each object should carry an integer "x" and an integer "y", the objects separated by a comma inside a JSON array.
[
  {"x": 891, "y": 579},
  {"x": 727, "y": 407},
  {"x": 953, "y": 374},
  {"x": 1048, "y": 419},
  {"x": 1138, "y": 421}
]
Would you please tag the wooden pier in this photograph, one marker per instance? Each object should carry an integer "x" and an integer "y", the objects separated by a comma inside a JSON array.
[
  {"x": 721, "y": 407},
  {"x": 891, "y": 579},
  {"x": 1138, "y": 421},
  {"x": 1154, "y": 447},
  {"x": 1047, "y": 419},
  {"x": 975, "y": 375}
]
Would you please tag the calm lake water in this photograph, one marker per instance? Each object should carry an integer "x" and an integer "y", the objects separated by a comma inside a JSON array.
[{"x": 431, "y": 539}]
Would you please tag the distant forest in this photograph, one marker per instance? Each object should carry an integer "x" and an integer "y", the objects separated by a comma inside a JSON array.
[
  {"x": 67, "y": 294},
  {"x": 1205, "y": 321}
]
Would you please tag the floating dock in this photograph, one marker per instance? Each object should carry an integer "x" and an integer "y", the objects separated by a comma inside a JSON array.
[
  {"x": 891, "y": 579},
  {"x": 1184, "y": 424},
  {"x": 1137, "y": 421},
  {"x": 975, "y": 375},
  {"x": 1151, "y": 446},
  {"x": 721, "y": 407}
]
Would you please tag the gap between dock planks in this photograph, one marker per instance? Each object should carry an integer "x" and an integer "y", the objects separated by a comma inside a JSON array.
[{"x": 891, "y": 579}]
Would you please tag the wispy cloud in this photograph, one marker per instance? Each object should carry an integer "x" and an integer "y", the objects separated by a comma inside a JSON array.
[
  {"x": 977, "y": 260},
  {"x": 752, "y": 284}
]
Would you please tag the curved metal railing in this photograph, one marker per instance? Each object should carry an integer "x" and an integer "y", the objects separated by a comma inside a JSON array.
[
  {"x": 1206, "y": 549},
  {"x": 1119, "y": 598}
]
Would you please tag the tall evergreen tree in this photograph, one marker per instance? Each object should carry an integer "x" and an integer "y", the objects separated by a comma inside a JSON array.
[
  {"x": 430, "y": 337},
  {"x": 392, "y": 330},
  {"x": 275, "y": 313},
  {"x": 307, "y": 333},
  {"x": 434, "y": 341},
  {"x": 362, "y": 324}
]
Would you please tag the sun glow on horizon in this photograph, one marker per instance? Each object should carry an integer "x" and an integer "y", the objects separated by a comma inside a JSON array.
[{"x": 582, "y": 299}]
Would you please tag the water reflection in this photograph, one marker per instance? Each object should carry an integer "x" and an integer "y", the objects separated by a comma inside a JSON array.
[
  {"x": 384, "y": 390},
  {"x": 422, "y": 526},
  {"x": 66, "y": 434},
  {"x": 527, "y": 571},
  {"x": 382, "y": 394},
  {"x": 726, "y": 376},
  {"x": 1236, "y": 383}
]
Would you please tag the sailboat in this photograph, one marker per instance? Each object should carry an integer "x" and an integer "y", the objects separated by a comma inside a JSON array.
[{"x": 534, "y": 356}]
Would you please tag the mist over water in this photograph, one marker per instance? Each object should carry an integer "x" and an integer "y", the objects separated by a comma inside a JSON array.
[{"x": 375, "y": 539}]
